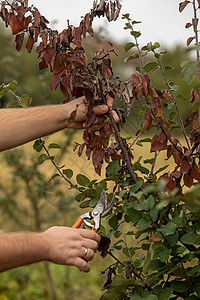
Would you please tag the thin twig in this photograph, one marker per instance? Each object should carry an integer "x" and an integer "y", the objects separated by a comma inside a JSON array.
[
  {"x": 121, "y": 144},
  {"x": 57, "y": 167},
  {"x": 125, "y": 241},
  {"x": 121, "y": 263},
  {"x": 175, "y": 103}
]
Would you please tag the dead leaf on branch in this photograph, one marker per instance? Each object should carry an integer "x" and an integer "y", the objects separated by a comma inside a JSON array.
[
  {"x": 182, "y": 5},
  {"x": 19, "y": 40},
  {"x": 185, "y": 166},
  {"x": 188, "y": 180},
  {"x": 189, "y": 40},
  {"x": 104, "y": 245},
  {"x": 107, "y": 7},
  {"x": 97, "y": 157},
  {"x": 195, "y": 173}
]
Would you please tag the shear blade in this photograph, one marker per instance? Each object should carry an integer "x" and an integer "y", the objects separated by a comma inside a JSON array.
[{"x": 102, "y": 203}]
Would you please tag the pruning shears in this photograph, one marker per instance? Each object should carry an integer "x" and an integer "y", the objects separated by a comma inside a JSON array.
[{"x": 100, "y": 210}]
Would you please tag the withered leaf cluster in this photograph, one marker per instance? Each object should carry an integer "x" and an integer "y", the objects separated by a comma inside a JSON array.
[
  {"x": 110, "y": 9},
  {"x": 64, "y": 55}
]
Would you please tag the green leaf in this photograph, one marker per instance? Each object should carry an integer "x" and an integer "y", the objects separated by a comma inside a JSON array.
[
  {"x": 136, "y": 34},
  {"x": 12, "y": 104},
  {"x": 42, "y": 158},
  {"x": 38, "y": 145},
  {"x": 180, "y": 286},
  {"x": 172, "y": 239},
  {"x": 164, "y": 254},
  {"x": 149, "y": 161},
  {"x": 149, "y": 203},
  {"x": 3, "y": 92},
  {"x": 136, "y": 55},
  {"x": 120, "y": 284},
  {"x": 82, "y": 180},
  {"x": 165, "y": 293},
  {"x": 128, "y": 46},
  {"x": 85, "y": 204},
  {"x": 151, "y": 297},
  {"x": 113, "y": 222},
  {"x": 189, "y": 238},
  {"x": 181, "y": 97},
  {"x": 54, "y": 145},
  {"x": 68, "y": 173},
  {"x": 54, "y": 176},
  {"x": 189, "y": 73},
  {"x": 147, "y": 262},
  {"x": 110, "y": 295},
  {"x": 168, "y": 229},
  {"x": 197, "y": 288},
  {"x": 155, "y": 265},
  {"x": 12, "y": 86},
  {"x": 112, "y": 168},
  {"x": 170, "y": 105},
  {"x": 26, "y": 100},
  {"x": 80, "y": 197},
  {"x": 135, "y": 187},
  {"x": 134, "y": 215},
  {"x": 191, "y": 271},
  {"x": 139, "y": 167},
  {"x": 122, "y": 193},
  {"x": 136, "y": 297},
  {"x": 126, "y": 16},
  {"x": 146, "y": 140},
  {"x": 143, "y": 224},
  {"x": 161, "y": 169},
  {"x": 150, "y": 66},
  {"x": 172, "y": 115},
  {"x": 168, "y": 68},
  {"x": 156, "y": 45}
]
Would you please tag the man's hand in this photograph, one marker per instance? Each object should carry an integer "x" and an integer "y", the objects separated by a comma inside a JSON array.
[
  {"x": 79, "y": 105},
  {"x": 22, "y": 125},
  {"x": 67, "y": 246},
  {"x": 60, "y": 245}
]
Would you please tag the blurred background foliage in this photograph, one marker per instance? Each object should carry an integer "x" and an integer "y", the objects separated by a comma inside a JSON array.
[{"x": 24, "y": 204}]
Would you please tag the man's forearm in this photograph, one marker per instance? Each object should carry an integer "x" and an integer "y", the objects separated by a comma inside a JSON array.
[
  {"x": 22, "y": 125},
  {"x": 18, "y": 249}
]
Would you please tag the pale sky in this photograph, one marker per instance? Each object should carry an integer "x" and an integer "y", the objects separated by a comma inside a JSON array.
[{"x": 161, "y": 20}]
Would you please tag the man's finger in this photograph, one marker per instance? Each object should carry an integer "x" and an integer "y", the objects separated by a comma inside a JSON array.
[
  {"x": 82, "y": 264},
  {"x": 89, "y": 234},
  {"x": 115, "y": 116},
  {"x": 109, "y": 101},
  {"x": 100, "y": 109}
]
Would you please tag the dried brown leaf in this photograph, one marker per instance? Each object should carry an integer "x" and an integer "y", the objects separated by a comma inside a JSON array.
[
  {"x": 185, "y": 166},
  {"x": 189, "y": 40},
  {"x": 15, "y": 24},
  {"x": 195, "y": 173},
  {"x": 30, "y": 43},
  {"x": 182, "y": 5},
  {"x": 188, "y": 25},
  {"x": 54, "y": 83},
  {"x": 36, "y": 15},
  {"x": 19, "y": 40},
  {"x": 80, "y": 149},
  {"x": 97, "y": 157},
  {"x": 188, "y": 180}
]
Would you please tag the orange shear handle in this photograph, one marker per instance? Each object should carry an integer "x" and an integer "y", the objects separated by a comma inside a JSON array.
[{"x": 78, "y": 223}]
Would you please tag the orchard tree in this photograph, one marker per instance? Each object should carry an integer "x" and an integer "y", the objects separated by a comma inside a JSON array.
[{"x": 155, "y": 221}]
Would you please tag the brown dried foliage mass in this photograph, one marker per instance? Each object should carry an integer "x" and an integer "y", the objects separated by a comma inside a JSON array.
[{"x": 64, "y": 55}]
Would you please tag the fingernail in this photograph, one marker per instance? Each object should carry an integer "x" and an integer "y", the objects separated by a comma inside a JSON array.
[{"x": 104, "y": 109}]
